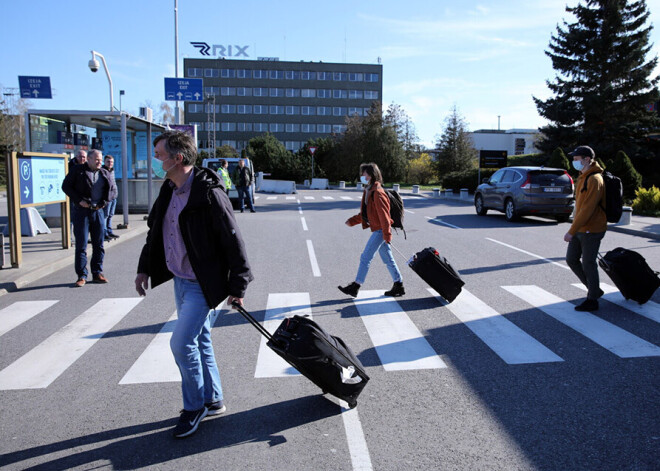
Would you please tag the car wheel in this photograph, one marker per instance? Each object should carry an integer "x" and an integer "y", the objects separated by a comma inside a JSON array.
[
  {"x": 479, "y": 205},
  {"x": 510, "y": 210}
]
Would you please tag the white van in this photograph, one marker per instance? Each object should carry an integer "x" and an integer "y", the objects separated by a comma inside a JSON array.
[{"x": 232, "y": 164}]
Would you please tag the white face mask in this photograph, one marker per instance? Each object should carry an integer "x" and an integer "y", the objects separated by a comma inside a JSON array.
[{"x": 364, "y": 180}]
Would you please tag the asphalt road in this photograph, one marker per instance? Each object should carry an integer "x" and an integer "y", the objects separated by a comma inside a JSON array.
[{"x": 506, "y": 377}]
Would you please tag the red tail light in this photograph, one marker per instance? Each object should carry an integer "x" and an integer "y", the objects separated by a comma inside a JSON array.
[
  {"x": 569, "y": 177},
  {"x": 527, "y": 183}
]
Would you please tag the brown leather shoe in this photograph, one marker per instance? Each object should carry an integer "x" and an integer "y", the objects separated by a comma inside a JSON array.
[
  {"x": 99, "y": 278},
  {"x": 80, "y": 283}
]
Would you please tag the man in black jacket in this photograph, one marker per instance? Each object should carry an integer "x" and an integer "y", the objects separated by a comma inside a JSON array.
[
  {"x": 193, "y": 238},
  {"x": 244, "y": 178},
  {"x": 88, "y": 185}
]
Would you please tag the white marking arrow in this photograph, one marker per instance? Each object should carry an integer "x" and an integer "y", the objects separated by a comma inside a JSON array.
[
  {"x": 27, "y": 192},
  {"x": 35, "y": 93}
]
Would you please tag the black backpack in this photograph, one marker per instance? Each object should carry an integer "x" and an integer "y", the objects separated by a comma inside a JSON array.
[
  {"x": 396, "y": 210},
  {"x": 613, "y": 196}
]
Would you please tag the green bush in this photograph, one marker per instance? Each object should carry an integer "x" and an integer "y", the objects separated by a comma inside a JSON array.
[{"x": 647, "y": 201}]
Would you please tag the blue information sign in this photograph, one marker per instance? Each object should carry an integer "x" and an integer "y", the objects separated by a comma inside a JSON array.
[
  {"x": 184, "y": 89},
  {"x": 40, "y": 180},
  {"x": 34, "y": 87}
]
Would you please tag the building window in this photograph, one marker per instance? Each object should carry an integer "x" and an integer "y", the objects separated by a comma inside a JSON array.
[
  {"x": 355, "y": 94},
  {"x": 338, "y": 128},
  {"x": 307, "y": 75},
  {"x": 244, "y": 127},
  {"x": 228, "y": 109},
  {"x": 308, "y": 93},
  {"x": 308, "y": 110},
  {"x": 276, "y": 127},
  {"x": 276, "y": 74},
  {"x": 371, "y": 77},
  {"x": 339, "y": 111},
  {"x": 228, "y": 126},
  {"x": 323, "y": 93},
  {"x": 243, "y": 73},
  {"x": 355, "y": 77},
  {"x": 323, "y": 111},
  {"x": 308, "y": 127},
  {"x": 323, "y": 75},
  {"x": 244, "y": 91},
  {"x": 259, "y": 91},
  {"x": 292, "y": 145},
  {"x": 324, "y": 128},
  {"x": 195, "y": 108},
  {"x": 277, "y": 92},
  {"x": 371, "y": 95},
  {"x": 228, "y": 91},
  {"x": 244, "y": 109},
  {"x": 276, "y": 109},
  {"x": 292, "y": 75},
  {"x": 212, "y": 90},
  {"x": 292, "y": 127},
  {"x": 340, "y": 76},
  {"x": 195, "y": 72},
  {"x": 340, "y": 94},
  {"x": 211, "y": 108},
  {"x": 228, "y": 73},
  {"x": 293, "y": 110},
  {"x": 261, "y": 127},
  {"x": 211, "y": 73},
  {"x": 258, "y": 74},
  {"x": 260, "y": 109},
  {"x": 292, "y": 92},
  {"x": 355, "y": 111}
]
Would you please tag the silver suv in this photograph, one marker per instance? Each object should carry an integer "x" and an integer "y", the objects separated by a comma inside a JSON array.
[{"x": 520, "y": 191}]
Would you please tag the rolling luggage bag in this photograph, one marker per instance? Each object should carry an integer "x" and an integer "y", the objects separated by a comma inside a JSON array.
[
  {"x": 630, "y": 273},
  {"x": 322, "y": 358},
  {"x": 437, "y": 272}
]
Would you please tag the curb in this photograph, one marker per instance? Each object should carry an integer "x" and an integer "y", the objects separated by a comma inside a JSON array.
[{"x": 635, "y": 232}]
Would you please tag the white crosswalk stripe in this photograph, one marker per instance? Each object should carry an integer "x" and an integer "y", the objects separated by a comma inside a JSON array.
[
  {"x": 649, "y": 309},
  {"x": 43, "y": 364},
  {"x": 19, "y": 312},
  {"x": 328, "y": 198},
  {"x": 309, "y": 197},
  {"x": 271, "y": 197},
  {"x": 620, "y": 342},
  {"x": 291, "y": 197},
  {"x": 346, "y": 198},
  {"x": 280, "y": 306},
  {"x": 399, "y": 344},
  {"x": 505, "y": 338}
]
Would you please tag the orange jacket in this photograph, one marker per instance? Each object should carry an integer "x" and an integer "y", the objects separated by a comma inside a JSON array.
[
  {"x": 589, "y": 216},
  {"x": 378, "y": 212}
]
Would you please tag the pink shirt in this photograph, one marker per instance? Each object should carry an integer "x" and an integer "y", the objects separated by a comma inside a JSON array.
[{"x": 176, "y": 255}]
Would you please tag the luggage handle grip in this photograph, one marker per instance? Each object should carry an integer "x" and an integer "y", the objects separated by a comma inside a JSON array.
[{"x": 252, "y": 320}]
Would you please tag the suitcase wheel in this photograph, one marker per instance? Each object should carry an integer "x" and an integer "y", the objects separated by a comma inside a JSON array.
[{"x": 352, "y": 405}]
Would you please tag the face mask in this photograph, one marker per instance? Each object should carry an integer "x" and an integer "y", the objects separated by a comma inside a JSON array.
[
  {"x": 157, "y": 167},
  {"x": 364, "y": 180},
  {"x": 578, "y": 165}
]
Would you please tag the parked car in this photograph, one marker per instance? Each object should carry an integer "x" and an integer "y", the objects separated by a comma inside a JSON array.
[
  {"x": 232, "y": 163},
  {"x": 520, "y": 191}
]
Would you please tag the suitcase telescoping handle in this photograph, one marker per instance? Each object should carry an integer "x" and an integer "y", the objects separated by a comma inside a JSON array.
[{"x": 252, "y": 320}]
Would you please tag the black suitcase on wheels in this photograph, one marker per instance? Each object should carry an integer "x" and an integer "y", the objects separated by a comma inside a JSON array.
[
  {"x": 630, "y": 273},
  {"x": 322, "y": 358},
  {"x": 437, "y": 272}
]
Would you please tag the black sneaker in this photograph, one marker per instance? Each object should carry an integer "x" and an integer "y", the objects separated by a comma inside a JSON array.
[
  {"x": 351, "y": 290},
  {"x": 588, "y": 305},
  {"x": 397, "y": 290},
  {"x": 215, "y": 408},
  {"x": 188, "y": 422}
]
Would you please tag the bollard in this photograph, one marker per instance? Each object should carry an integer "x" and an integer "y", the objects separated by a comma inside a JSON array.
[
  {"x": 2, "y": 250},
  {"x": 415, "y": 189},
  {"x": 436, "y": 192},
  {"x": 306, "y": 183},
  {"x": 465, "y": 195},
  {"x": 449, "y": 193},
  {"x": 358, "y": 186},
  {"x": 396, "y": 187},
  {"x": 342, "y": 185},
  {"x": 626, "y": 217}
]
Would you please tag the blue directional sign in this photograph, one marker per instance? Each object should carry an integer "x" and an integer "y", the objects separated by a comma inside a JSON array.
[
  {"x": 34, "y": 87},
  {"x": 40, "y": 179},
  {"x": 184, "y": 89}
]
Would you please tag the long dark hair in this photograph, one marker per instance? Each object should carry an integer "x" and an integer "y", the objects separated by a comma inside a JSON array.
[{"x": 373, "y": 171}]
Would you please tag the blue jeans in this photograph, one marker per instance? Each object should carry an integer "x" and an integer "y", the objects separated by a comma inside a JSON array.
[
  {"x": 376, "y": 243},
  {"x": 88, "y": 221},
  {"x": 109, "y": 211},
  {"x": 192, "y": 347},
  {"x": 245, "y": 192},
  {"x": 585, "y": 245}
]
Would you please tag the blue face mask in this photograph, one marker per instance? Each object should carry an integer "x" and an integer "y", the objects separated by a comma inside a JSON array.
[
  {"x": 157, "y": 167},
  {"x": 578, "y": 165},
  {"x": 364, "y": 180}
]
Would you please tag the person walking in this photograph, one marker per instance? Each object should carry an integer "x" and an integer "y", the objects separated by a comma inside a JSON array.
[
  {"x": 589, "y": 225},
  {"x": 243, "y": 178},
  {"x": 193, "y": 238},
  {"x": 375, "y": 215},
  {"x": 109, "y": 210},
  {"x": 88, "y": 185},
  {"x": 224, "y": 173}
]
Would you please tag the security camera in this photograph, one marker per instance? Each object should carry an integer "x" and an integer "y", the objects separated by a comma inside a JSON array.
[{"x": 93, "y": 65}]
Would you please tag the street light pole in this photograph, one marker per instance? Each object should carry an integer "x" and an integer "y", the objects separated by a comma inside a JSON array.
[
  {"x": 107, "y": 73},
  {"x": 177, "y": 119}
]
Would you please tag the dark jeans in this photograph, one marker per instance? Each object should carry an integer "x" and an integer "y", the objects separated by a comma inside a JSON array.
[
  {"x": 245, "y": 192},
  {"x": 585, "y": 245},
  {"x": 88, "y": 221},
  {"x": 108, "y": 212}
]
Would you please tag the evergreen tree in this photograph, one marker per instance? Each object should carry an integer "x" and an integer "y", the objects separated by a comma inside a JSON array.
[
  {"x": 604, "y": 85},
  {"x": 559, "y": 160},
  {"x": 631, "y": 179},
  {"x": 455, "y": 145}
]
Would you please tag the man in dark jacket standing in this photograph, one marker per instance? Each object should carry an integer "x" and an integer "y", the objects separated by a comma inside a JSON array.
[
  {"x": 243, "y": 178},
  {"x": 88, "y": 185},
  {"x": 193, "y": 238}
]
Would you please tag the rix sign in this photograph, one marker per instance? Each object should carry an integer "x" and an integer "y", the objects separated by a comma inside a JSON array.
[{"x": 218, "y": 50}]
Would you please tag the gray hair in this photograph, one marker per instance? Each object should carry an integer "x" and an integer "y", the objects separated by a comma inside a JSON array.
[
  {"x": 178, "y": 142},
  {"x": 94, "y": 152}
]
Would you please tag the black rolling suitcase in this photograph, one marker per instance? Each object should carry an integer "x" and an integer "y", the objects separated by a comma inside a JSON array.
[
  {"x": 630, "y": 273},
  {"x": 322, "y": 358},
  {"x": 437, "y": 272}
]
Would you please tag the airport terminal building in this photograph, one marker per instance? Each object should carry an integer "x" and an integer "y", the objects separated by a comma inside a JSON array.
[{"x": 294, "y": 101}]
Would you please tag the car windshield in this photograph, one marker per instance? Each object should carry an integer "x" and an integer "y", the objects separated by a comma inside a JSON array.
[{"x": 545, "y": 178}]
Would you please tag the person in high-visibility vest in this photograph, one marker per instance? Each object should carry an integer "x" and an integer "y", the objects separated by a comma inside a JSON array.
[{"x": 224, "y": 173}]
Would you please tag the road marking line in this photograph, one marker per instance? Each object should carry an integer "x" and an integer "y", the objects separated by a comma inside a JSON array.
[
  {"x": 649, "y": 309},
  {"x": 357, "y": 444},
  {"x": 43, "y": 364},
  {"x": 19, "y": 312},
  {"x": 304, "y": 224},
  {"x": 436, "y": 219},
  {"x": 529, "y": 253},
  {"x": 506, "y": 339},
  {"x": 346, "y": 198},
  {"x": 278, "y": 307},
  {"x": 291, "y": 197},
  {"x": 398, "y": 342},
  {"x": 312, "y": 258},
  {"x": 309, "y": 197},
  {"x": 409, "y": 211},
  {"x": 300, "y": 210},
  {"x": 328, "y": 198},
  {"x": 618, "y": 341},
  {"x": 271, "y": 197}
]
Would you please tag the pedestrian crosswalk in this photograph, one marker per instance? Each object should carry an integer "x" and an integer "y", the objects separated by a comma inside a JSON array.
[{"x": 396, "y": 339}]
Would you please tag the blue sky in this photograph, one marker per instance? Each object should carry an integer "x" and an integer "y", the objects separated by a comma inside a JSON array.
[{"x": 486, "y": 57}]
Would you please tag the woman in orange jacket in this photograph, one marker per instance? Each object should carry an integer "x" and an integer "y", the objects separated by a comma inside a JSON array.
[{"x": 375, "y": 214}]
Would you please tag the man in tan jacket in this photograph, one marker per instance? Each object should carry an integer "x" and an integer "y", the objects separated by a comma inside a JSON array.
[{"x": 589, "y": 225}]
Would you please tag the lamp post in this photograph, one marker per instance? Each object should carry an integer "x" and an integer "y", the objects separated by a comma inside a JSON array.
[
  {"x": 94, "y": 66},
  {"x": 121, "y": 94}
]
